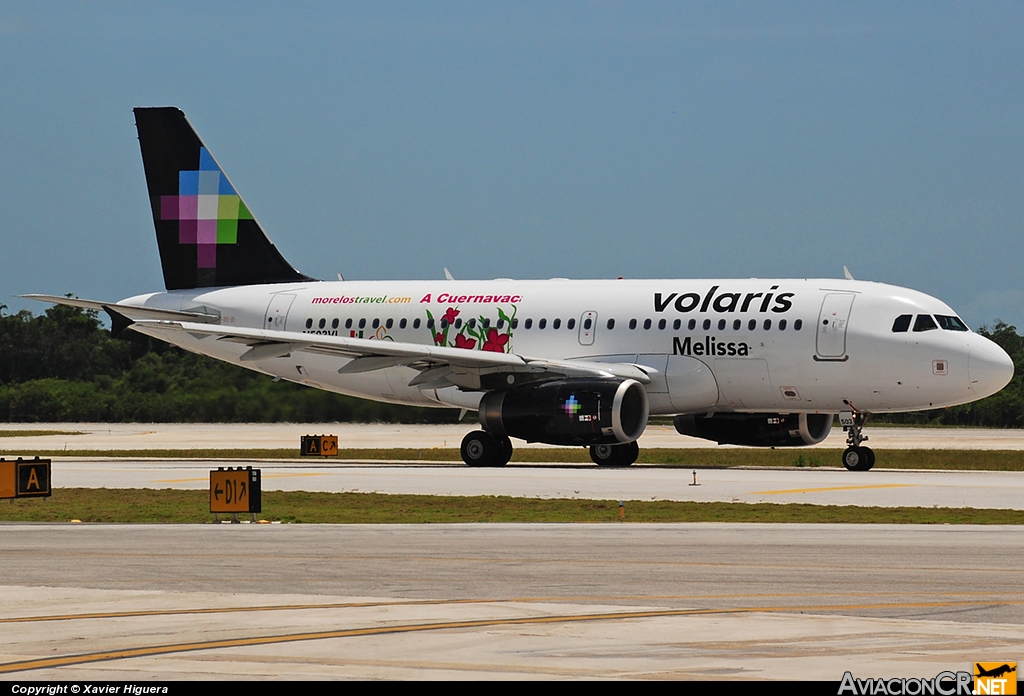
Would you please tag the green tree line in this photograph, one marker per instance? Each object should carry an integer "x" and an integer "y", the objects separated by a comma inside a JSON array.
[{"x": 63, "y": 365}]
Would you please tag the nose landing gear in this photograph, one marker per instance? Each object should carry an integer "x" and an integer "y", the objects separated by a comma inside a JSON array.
[{"x": 856, "y": 458}]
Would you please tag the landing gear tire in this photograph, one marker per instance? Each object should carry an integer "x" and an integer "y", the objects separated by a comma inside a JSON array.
[
  {"x": 858, "y": 458},
  {"x": 505, "y": 451},
  {"x": 615, "y": 455},
  {"x": 480, "y": 448}
]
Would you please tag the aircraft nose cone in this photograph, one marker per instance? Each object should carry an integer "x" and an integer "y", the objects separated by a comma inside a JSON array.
[{"x": 989, "y": 368}]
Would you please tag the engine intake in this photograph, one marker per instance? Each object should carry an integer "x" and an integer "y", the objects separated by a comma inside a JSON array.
[
  {"x": 568, "y": 412},
  {"x": 758, "y": 429}
]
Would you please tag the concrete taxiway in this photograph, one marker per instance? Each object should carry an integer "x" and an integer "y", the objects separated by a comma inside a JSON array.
[
  {"x": 831, "y": 486},
  {"x": 537, "y": 601},
  {"x": 708, "y": 601}
]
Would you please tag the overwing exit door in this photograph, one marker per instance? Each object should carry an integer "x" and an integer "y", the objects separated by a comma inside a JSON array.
[{"x": 588, "y": 327}]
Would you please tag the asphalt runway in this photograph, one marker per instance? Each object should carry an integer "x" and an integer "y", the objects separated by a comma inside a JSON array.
[
  {"x": 707, "y": 601},
  {"x": 825, "y": 486}
]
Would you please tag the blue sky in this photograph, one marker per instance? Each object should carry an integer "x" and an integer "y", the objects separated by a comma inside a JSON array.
[{"x": 531, "y": 140}]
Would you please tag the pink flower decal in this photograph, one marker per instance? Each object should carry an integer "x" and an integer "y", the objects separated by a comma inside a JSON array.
[
  {"x": 495, "y": 342},
  {"x": 450, "y": 315},
  {"x": 463, "y": 342},
  {"x": 439, "y": 339}
]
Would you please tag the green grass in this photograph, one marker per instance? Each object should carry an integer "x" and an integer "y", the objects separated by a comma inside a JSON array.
[
  {"x": 37, "y": 433},
  {"x": 147, "y": 506},
  {"x": 983, "y": 460}
]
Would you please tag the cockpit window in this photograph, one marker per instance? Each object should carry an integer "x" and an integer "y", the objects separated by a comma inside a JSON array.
[
  {"x": 924, "y": 322},
  {"x": 902, "y": 323},
  {"x": 951, "y": 323}
]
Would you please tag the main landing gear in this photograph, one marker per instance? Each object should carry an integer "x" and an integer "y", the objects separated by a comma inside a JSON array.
[
  {"x": 856, "y": 458},
  {"x": 481, "y": 448},
  {"x": 615, "y": 455}
]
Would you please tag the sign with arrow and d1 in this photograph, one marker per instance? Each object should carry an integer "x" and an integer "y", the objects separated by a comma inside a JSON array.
[{"x": 235, "y": 490}]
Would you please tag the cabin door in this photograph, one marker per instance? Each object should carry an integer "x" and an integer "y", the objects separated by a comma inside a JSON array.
[
  {"x": 277, "y": 312},
  {"x": 832, "y": 324}
]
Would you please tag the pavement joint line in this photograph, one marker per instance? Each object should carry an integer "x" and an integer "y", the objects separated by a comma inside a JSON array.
[
  {"x": 156, "y": 650},
  {"x": 491, "y": 560}
]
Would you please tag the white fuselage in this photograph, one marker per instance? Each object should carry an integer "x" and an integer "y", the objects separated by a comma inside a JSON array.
[{"x": 754, "y": 345}]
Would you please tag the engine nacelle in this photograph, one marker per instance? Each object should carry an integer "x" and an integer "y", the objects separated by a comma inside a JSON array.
[
  {"x": 569, "y": 412},
  {"x": 758, "y": 429}
]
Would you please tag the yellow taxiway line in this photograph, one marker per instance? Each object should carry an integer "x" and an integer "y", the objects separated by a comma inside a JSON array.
[{"x": 146, "y": 651}]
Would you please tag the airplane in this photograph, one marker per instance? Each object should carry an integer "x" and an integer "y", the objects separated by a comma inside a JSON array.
[
  {"x": 751, "y": 362},
  {"x": 994, "y": 672}
]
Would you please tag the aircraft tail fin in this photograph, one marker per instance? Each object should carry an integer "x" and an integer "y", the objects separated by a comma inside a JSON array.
[{"x": 206, "y": 235}]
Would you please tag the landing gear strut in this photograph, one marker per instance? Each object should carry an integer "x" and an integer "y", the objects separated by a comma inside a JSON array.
[
  {"x": 856, "y": 458},
  {"x": 481, "y": 448},
  {"x": 615, "y": 455}
]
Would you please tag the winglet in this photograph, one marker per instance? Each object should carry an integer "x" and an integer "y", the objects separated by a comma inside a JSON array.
[{"x": 847, "y": 274}]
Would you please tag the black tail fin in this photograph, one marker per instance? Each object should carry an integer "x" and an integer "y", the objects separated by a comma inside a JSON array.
[{"x": 206, "y": 234}]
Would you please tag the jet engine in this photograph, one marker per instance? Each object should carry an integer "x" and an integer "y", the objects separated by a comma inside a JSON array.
[
  {"x": 758, "y": 429},
  {"x": 568, "y": 412}
]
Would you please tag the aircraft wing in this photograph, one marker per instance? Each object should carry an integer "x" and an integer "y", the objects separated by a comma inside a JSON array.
[
  {"x": 129, "y": 311},
  {"x": 438, "y": 367}
]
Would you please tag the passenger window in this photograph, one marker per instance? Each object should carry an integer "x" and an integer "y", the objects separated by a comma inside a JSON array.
[
  {"x": 471, "y": 323},
  {"x": 611, "y": 324},
  {"x": 309, "y": 323},
  {"x": 571, "y": 324},
  {"x": 362, "y": 323},
  {"x": 677, "y": 323},
  {"x": 752, "y": 324},
  {"x": 515, "y": 324},
  {"x": 487, "y": 323},
  {"x": 721, "y": 324},
  {"x": 951, "y": 323},
  {"x": 501, "y": 323},
  {"x": 542, "y": 324},
  {"x": 458, "y": 323},
  {"x": 321, "y": 324},
  {"x": 661, "y": 324},
  {"x": 647, "y": 324},
  {"x": 430, "y": 324},
  {"x": 528, "y": 324},
  {"x": 334, "y": 324},
  {"x": 767, "y": 324},
  {"x": 389, "y": 323},
  {"x": 376, "y": 323},
  {"x": 403, "y": 323},
  {"x": 692, "y": 324},
  {"x": 736, "y": 325},
  {"x": 556, "y": 324},
  {"x": 782, "y": 324},
  {"x": 924, "y": 322},
  {"x": 348, "y": 323},
  {"x": 707, "y": 324},
  {"x": 632, "y": 324},
  {"x": 416, "y": 323},
  {"x": 798, "y": 324},
  {"x": 587, "y": 323},
  {"x": 902, "y": 323}
]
